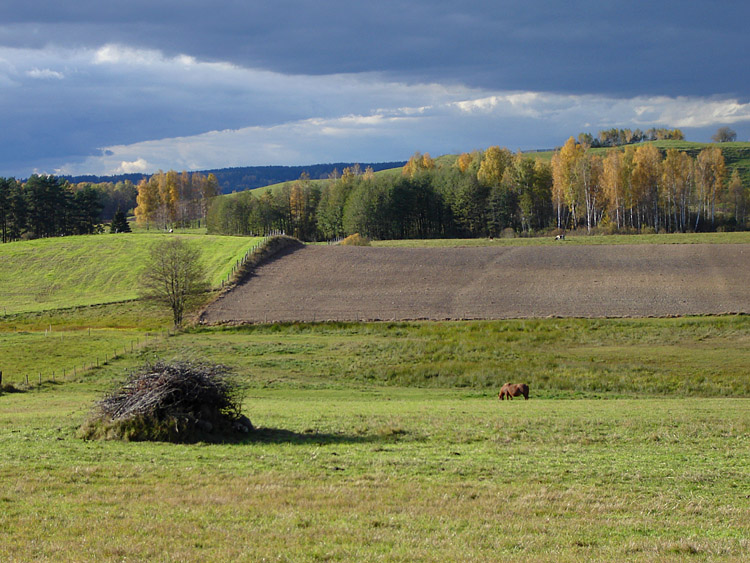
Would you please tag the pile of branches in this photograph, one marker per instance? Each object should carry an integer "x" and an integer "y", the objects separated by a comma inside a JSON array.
[{"x": 176, "y": 402}]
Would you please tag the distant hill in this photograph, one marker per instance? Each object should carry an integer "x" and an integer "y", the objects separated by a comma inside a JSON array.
[{"x": 250, "y": 177}]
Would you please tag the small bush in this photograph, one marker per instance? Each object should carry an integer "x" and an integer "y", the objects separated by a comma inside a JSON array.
[
  {"x": 356, "y": 240},
  {"x": 180, "y": 402}
]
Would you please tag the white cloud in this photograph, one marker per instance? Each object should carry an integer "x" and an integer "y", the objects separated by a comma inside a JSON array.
[
  {"x": 394, "y": 135},
  {"x": 44, "y": 73},
  {"x": 138, "y": 165},
  {"x": 146, "y": 111}
]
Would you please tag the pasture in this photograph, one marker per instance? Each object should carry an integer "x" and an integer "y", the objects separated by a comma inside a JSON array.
[
  {"x": 385, "y": 475},
  {"x": 386, "y": 442}
]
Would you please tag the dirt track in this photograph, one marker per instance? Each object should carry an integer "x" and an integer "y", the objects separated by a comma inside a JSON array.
[{"x": 318, "y": 283}]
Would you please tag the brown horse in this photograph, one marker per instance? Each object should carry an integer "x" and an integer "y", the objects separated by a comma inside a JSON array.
[{"x": 511, "y": 390}]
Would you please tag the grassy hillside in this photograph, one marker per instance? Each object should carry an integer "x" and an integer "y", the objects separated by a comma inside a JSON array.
[
  {"x": 65, "y": 272},
  {"x": 321, "y": 183}
]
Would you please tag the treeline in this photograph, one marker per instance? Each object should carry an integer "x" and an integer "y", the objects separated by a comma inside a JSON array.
[
  {"x": 47, "y": 206},
  {"x": 481, "y": 194},
  {"x": 174, "y": 199},
  {"x": 619, "y": 137},
  {"x": 240, "y": 178},
  {"x": 640, "y": 188}
]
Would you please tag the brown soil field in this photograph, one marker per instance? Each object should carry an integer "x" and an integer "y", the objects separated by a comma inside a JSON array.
[{"x": 319, "y": 283}]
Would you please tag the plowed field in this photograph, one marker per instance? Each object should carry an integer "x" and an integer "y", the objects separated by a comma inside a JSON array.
[{"x": 318, "y": 283}]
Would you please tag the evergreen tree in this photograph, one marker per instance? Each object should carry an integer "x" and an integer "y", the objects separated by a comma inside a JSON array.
[{"x": 119, "y": 223}]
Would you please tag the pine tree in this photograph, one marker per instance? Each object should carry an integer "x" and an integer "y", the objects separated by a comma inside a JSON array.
[{"x": 119, "y": 223}]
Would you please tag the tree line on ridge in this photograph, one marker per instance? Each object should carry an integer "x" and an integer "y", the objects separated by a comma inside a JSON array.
[{"x": 494, "y": 192}]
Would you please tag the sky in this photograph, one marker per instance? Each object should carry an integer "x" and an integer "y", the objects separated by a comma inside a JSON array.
[{"x": 122, "y": 86}]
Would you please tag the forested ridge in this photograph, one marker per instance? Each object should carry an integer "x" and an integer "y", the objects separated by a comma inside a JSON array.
[
  {"x": 635, "y": 188},
  {"x": 240, "y": 178},
  {"x": 668, "y": 185}
]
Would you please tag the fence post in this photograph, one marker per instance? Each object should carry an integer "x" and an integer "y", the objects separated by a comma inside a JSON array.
[{"x": 1, "y": 379}]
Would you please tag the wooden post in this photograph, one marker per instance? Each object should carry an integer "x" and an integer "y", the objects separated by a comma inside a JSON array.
[{"x": 1, "y": 379}]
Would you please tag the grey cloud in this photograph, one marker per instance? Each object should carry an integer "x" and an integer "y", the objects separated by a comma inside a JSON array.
[
  {"x": 617, "y": 48},
  {"x": 59, "y": 106}
]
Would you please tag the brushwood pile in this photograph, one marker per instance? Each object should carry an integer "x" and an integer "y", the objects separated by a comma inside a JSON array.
[{"x": 174, "y": 402}]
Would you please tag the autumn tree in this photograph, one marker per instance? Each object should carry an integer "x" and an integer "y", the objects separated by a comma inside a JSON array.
[
  {"x": 148, "y": 201},
  {"x": 646, "y": 177},
  {"x": 566, "y": 190},
  {"x": 589, "y": 172},
  {"x": 494, "y": 162},
  {"x": 676, "y": 180},
  {"x": 740, "y": 197},
  {"x": 710, "y": 173},
  {"x": 418, "y": 163},
  {"x": 469, "y": 162},
  {"x": 613, "y": 185},
  {"x": 209, "y": 189}
]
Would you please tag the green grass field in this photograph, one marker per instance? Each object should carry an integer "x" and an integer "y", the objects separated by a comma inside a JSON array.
[
  {"x": 385, "y": 475},
  {"x": 48, "y": 274}
]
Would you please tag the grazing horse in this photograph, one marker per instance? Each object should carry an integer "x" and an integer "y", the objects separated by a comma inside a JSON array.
[{"x": 511, "y": 390}]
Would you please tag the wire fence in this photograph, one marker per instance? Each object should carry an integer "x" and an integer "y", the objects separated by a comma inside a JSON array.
[
  {"x": 239, "y": 264},
  {"x": 76, "y": 369}
]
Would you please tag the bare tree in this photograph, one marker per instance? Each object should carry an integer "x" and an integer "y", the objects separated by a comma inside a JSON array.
[
  {"x": 725, "y": 135},
  {"x": 174, "y": 276}
]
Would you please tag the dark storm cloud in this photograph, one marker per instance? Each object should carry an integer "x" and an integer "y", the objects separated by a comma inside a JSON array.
[
  {"x": 623, "y": 48},
  {"x": 130, "y": 85}
]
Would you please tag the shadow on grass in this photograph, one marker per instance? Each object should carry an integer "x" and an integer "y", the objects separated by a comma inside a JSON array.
[{"x": 281, "y": 436}]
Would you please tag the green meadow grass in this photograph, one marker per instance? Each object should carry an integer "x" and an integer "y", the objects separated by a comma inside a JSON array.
[
  {"x": 559, "y": 358},
  {"x": 48, "y": 274},
  {"x": 386, "y": 442},
  {"x": 385, "y": 474},
  {"x": 694, "y": 356}
]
